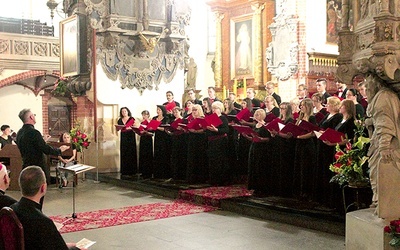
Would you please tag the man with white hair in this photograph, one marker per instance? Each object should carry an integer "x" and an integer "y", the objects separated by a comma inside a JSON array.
[{"x": 5, "y": 200}]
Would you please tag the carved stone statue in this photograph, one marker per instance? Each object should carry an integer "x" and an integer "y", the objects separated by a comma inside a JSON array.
[
  {"x": 384, "y": 152},
  {"x": 191, "y": 74}
]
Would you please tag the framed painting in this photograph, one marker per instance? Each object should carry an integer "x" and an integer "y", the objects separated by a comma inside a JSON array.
[
  {"x": 333, "y": 20},
  {"x": 73, "y": 46},
  {"x": 242, "y": 47}
]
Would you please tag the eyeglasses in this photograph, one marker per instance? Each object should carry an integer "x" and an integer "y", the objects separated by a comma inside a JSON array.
[
  {"x": 282, "y": 107},
  {"x": 194, "y": 109}
]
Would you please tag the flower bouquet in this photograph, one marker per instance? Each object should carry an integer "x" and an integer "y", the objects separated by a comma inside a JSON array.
[
  {"x": 349, "y": 163},
  {"x": 79, "y": 138},
  {"x": 394, "y": 230}
]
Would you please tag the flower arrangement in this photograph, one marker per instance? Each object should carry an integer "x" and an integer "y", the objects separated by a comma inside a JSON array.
[
  {"x": 350, "y": 161},
  {"x": 394, "y": 230},
  {"x": 60, "y": 87},
  {"x": 79, "y": 138}
]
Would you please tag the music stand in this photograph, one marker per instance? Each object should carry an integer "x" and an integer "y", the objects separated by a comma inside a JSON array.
[{"x": 75, "y": 170}]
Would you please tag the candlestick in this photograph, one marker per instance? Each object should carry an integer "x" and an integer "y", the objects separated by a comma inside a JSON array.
[
  {"x": 244, "y": 86},
  {"x": 235, "y": 86}
]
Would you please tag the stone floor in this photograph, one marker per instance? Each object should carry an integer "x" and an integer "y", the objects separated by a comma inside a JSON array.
[{"x": 221, "y": 229}]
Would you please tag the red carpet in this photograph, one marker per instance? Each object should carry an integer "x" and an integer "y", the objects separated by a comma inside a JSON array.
[
  {"x": 127, "y": 215},
  {"x": 212, "y": 196}
]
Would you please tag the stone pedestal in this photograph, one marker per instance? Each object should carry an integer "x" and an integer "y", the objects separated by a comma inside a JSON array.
[{"x": 365, "y": 231}]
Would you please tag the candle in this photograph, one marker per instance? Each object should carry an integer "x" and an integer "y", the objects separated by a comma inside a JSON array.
[
  {"x": 244, "y": 86},
  {"x": 224, "y": 92},
  {"x": 235, "y": 87}
]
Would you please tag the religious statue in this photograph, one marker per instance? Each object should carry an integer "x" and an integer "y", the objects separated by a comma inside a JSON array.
[
  {"x": 384, "y": 128},
  {"x": 191, "y": 74}
]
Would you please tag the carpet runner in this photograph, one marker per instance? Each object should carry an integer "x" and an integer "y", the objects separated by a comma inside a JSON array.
[
  {"x": 212, "y": 196},
  {"x": 127, "y": 215}
]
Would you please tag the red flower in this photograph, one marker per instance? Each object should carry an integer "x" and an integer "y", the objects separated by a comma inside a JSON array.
[
  {"x": 387, "y": 229},
  {"x": 85, "y": 144},
  {"x": 78, "y": 133},
  {"x": 83, "y": 136},
  {"x": 338, "y": 165},
  {"x": 75, "y": 140},
  {"x": 338, "y": 154},
  {"x": 348, "y": 146}
]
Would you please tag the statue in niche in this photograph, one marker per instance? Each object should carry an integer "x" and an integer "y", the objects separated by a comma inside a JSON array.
[
  {"x": 384, "y": 130},
  {"x": 191, "y": 74}
]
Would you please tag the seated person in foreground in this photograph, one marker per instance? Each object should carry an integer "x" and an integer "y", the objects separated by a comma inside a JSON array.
[
  {"x": 5, "y": 201},
  {"x": 40, "y": 231}
]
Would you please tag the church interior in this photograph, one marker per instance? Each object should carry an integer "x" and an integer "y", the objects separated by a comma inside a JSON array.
[{"x": 78, "y": 63}]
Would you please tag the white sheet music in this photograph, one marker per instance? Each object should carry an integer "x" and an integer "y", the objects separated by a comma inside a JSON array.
[{"x": 79, "y": 168}]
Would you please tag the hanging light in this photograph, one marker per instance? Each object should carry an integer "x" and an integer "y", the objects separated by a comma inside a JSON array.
[{"x": 52, "y": 4}]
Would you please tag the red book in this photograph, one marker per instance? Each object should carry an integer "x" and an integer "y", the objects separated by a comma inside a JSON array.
[
  {"x": 213, "y": 119},
  {"x": 197, "y": 124},
  {"x": 244, "y": 130},
  {"x": 270, "y": 117},
  {"x": 138, "y": 130},
  {"x": 175, "y": 124},
  {"x": 153, "y": 125},
  {"x": 308, "y": 126},
  {"x": 330, "y": 135},
  {"x": 273, "y": 125},
  {"x": 244, "y": 114},
  {"x": 119, "y": 127},
  {"x": 170, "y": 106},
  {"x": 293, "y": 129}
]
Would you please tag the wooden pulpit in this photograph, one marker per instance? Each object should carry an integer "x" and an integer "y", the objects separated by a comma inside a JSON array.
[{"x": 13, "y": 162}]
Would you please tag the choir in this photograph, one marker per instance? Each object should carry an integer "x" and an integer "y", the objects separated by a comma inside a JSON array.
[{"x": 272, "y": 147}]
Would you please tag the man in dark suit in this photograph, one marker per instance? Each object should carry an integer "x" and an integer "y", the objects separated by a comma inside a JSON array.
[
  {"x": 341, "y": 90},
  {"x": 270, "y": 87},
  {"x": 254, "y": 101},
  {"x": 192, "y": 97},
  {"x": 32, "y": 145},
  {"x": 5, "y": 200},
  {"x": 211, "y": 95},
  {"x": 40, "y": 232},
  {"x": 321, "y": 88},
  {"x": 232, "y": 97}
]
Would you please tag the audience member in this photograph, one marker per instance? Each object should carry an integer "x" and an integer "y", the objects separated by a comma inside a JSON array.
[
  {"x": 5, "y": 200},
  {"x": 5, "y": 137},
  {"x": 40, "y": 231}
]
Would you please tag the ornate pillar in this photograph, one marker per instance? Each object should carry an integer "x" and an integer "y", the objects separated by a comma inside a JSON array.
[
  {"x": 218, "y": 50},
  {"x": 257, "y": 28},
  {"x": 345, "y": 14},
  {"x": 384, "y": 8},
  {"x": 355, "y": 8}
]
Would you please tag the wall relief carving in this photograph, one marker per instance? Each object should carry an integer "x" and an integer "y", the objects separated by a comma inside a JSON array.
[
  {"x": 143, "y": 46},
  {"x": 282, "y": 52}
]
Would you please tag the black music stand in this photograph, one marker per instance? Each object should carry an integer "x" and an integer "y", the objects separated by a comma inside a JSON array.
[{"x": 75, "y": 170}]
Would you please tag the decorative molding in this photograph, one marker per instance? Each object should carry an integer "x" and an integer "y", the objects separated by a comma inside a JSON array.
[
  {"x": 283, "y": 62},
  {"x": 140, "y": 53},
  {"x": 258, "y": 60}
]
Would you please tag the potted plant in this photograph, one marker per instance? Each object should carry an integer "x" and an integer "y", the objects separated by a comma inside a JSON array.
[{"x": 60, "y": 87}]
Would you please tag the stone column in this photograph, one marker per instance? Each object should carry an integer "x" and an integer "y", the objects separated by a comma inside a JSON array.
[
  {"x": 258, "y": 50},
  {"x": 356, "y": 8},
  {"x": 384, "y": 8},
  {"x": 218, "y": 50},
  {"x": 345, "y": 14}
]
